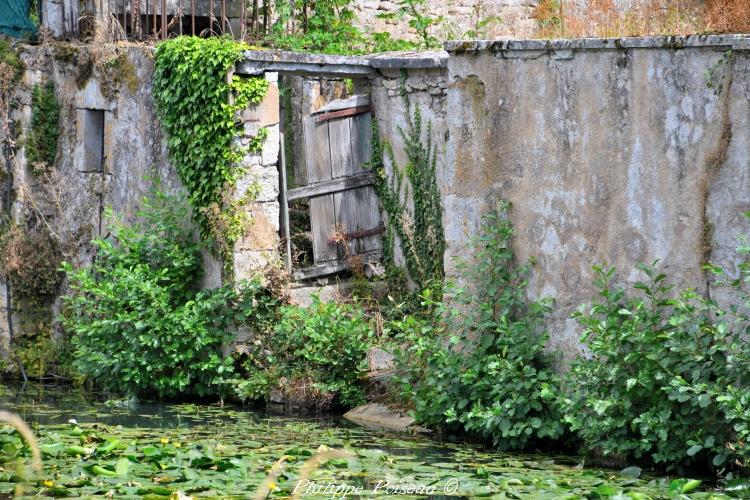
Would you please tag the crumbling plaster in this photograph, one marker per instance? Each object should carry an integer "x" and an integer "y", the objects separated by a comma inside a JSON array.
[{"x": 609, "y": 155}]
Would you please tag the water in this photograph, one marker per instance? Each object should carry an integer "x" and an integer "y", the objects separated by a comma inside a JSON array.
[{"x": 158, "y": 450}]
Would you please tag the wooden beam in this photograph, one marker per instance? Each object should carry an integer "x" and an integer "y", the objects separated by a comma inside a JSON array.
[
  {"x": 358, "y": 234},
  {"x": 366, "y": 178},
  {"x": 343, "y": 113},
  {"x": 336, "y": 266}
]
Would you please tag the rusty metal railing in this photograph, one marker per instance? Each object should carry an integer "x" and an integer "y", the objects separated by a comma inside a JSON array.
[{"x": 140, "y": 20}]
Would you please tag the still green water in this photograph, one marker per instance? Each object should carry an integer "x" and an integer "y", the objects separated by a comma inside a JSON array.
[{"x": 124, "y": 449}]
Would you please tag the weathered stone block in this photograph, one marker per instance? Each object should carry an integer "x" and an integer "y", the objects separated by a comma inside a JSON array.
[{"x": 267, "y": 112}]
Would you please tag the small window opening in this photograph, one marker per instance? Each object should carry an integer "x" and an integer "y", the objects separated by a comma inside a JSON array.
[{"x": 93, "y": 140}]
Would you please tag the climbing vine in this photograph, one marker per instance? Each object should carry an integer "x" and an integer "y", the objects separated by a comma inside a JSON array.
[
  {"x": 44, "y": 131},
  {"x": 192, "y": 95},
  {"x": 420, "y": 230}
]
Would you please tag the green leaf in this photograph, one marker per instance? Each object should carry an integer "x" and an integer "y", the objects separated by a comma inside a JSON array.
[
  {"x": 691, "y": 485},
  {"x": 632, "y": 471}
]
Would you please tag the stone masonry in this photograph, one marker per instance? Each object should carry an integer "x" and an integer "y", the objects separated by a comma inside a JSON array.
[
  {"x": 258, "y": 247},
  {"x": 509, "y": 18}
]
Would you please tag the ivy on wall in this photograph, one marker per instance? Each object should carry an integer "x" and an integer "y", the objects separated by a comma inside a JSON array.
[
  {"x": 192, "y": 92},
  {"x": 44, "y": 130},
  {"x": 420, "y": 230}
]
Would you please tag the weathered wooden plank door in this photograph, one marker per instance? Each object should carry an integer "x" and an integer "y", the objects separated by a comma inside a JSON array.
[{"x": 338, "y": 141}]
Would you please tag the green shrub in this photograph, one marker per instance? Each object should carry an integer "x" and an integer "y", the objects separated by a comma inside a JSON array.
[
  {"x": 138, "y": 324},
  {"x": 665, "y": 381},
  {"x": 325, "y": 343},
  {"x": 490, "y": 376}
]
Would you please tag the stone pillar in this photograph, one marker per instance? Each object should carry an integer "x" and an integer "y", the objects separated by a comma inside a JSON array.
[{"x": 260, "y": 244}]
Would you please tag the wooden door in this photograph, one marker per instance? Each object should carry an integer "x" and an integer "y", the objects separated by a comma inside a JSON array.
[{"x": 338, "y": 145}]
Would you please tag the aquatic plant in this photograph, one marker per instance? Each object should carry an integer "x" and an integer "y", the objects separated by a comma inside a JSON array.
[{"x": 225, "y": 453}]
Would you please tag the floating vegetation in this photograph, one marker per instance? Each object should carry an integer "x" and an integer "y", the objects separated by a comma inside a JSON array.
[{"x": 208, "y": 451}]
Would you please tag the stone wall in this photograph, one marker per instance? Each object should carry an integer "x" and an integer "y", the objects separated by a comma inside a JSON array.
[
  {"x": 611, "y": 152},
  {"x": 110, "y": 154},
  {"x": 110, "y": 145},
  {"x": 511, "y": 18},
  {"x": 424, "y": 78}
]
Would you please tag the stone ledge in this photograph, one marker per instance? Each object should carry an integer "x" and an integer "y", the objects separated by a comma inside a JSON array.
[
  {"x": 410, "y": 60},
  {"x": 735, "y": 42},
  {"x": 259, "y": 61}
]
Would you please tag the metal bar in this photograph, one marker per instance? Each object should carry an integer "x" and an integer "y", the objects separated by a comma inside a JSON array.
[
  {"x": 243, "y": 19},
  {"x": 163, "y": 19},
  {"x": 179, "y": 14},
  {"x": 223, "y": 16},
  {"x": 192, "y": 17},
  {"x": 357, "y": 234},
  {"x": 148, "y": 18},
  {"x": 154, "y": 11},
  {"x": 284, "y": 205},
  {"x": 343, "y": 113},
  {"x": 335, "y": 186},
  {"x": 265, "y": 17},
  {"x": 210, "y": 16}
]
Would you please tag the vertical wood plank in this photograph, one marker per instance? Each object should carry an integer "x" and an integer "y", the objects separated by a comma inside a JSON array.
[
  {"x": 368, "y": 217},
  {"x": 345, "y": 204},
  {"x": 361, "y": 133},
  {"x": 322, "y": 220},
  {"x": 341, "y": 149},
  {"x": 317, "y": 150}
]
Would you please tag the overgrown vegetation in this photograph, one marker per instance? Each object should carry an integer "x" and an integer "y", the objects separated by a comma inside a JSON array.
[
  {"x": 605, "y": 18},
  {"x": 44, "y": 130},
  {"x": 417, "y": 13},
  {"x": 139, "y": 325},
  {"x": 10, "y": 64},
  {"x": 484, "y": 371},
  {"x": 320, "y": 349},
  {"x": 191, "y": 91},
  {"x": 666, "y": 382},
  {"x": 328, "y": 26},
  {"x": 30, "y": 259},
  {"x": 419, "y": 230},
  {"x": 199, "y": 451}
]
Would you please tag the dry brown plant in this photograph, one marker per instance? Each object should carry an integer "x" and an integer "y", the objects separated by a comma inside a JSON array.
[{"x": 602, "y": 18}]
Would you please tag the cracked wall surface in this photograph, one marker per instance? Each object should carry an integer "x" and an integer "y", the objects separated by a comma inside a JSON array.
[
  {"x": 611, "y": 151},
  {"x": 612, "y": 156}
]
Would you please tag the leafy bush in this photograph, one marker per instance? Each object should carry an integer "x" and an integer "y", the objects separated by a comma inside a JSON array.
[
  {"x": 666, "y": 378},
  {"x": 492, "y": 376},
  {"x": 328, "y": 28},
  {"x": 325, "y": 343},
  {"x": 139, "y": 326}
]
